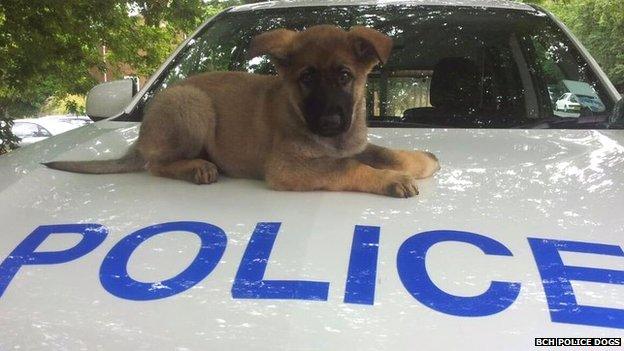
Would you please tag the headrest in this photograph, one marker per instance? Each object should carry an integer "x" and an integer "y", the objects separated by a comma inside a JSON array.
[{"x": 455, "y": 84}]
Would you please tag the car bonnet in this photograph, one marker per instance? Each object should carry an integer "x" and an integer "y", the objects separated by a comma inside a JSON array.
[{"x": 480, "y": 259}]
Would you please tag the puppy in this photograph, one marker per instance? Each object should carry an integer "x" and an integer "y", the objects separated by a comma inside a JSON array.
[{"x": 304, "y": 129}]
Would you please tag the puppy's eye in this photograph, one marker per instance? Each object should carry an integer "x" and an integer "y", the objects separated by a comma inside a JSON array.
[
  {"x": 344, "y": 77},
  {"x": 307, "y": 76}
]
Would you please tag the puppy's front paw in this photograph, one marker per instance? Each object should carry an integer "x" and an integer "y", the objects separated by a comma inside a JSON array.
[
  {"x": 420, "y": 164},
  {"x": 401, "y": 185},
  {"x": 205, "y": 173}
]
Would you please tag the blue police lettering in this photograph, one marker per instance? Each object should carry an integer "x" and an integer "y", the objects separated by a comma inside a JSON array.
[
  {"x": 556, "y": 278},
  {"x": 249, "y": 282},
  {"x": 413, "y": 274},
  {"x": 24, "y": 254},
  {"x": 362, "y": 273},
  {"x": 114, "y": 274}
]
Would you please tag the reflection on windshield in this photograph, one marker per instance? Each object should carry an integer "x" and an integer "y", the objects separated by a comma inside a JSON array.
[
  {"x": 580, "y": 99},
  {"x": 451, "y": 66}
]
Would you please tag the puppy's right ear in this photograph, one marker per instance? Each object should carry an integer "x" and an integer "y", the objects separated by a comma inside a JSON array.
[
  {"x": 370, "y": 45},
  {"x": 275, "y": 43}
]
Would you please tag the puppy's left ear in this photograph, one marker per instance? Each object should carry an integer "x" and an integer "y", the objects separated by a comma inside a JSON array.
[
  {"x": 370, "y": 46},
  {"x": 275, "y": 43}
]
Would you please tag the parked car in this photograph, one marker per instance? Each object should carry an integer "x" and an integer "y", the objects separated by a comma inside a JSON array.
[
  {"x": 515, "y": 243},
  {"x": 568, "y": 102},
  {"x": 73, "y": 119},
  {"x": 32, "y": 130},
  {"x": 574, "y": 102}
]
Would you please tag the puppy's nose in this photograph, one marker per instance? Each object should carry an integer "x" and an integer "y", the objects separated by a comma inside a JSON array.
[{"x": 331, "y": 122}]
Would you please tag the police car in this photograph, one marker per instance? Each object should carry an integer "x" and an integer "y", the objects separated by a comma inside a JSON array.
[{"x": 516, "y": 243}]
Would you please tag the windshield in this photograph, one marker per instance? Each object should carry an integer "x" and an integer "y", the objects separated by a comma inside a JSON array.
[{"x": 456, "y": 67}]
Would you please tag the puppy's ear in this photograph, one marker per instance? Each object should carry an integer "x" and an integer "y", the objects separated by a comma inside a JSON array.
[
  {"x": 370, "y": 46},
  {"x": 275, "y": 43}
]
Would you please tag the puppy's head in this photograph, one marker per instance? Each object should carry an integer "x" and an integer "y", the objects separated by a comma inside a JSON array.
[{"x": 325, "y": 69}]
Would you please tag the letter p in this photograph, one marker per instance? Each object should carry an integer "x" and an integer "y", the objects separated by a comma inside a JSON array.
[{"x": 25, "y": 254}]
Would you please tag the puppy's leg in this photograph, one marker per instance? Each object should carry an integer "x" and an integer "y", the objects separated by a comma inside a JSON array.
[
  {"x": 420, "y": 164},
  {"x": 197, "y": 171},
  {"x": 345, "y": 174},
  {"x": 174, "y": 134}
]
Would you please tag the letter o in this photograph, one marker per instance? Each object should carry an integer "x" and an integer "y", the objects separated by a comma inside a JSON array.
[{"x": 114, "y": 273}]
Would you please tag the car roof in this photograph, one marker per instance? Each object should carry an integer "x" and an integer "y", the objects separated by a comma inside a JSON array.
[
  {"x": 25, "y": 120},
  {"x": 54, "y": 126},
  {"x": 305, "y": 3},
  {"x": 50, "y": 119}
]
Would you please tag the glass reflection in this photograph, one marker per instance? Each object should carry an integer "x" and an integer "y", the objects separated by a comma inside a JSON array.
[{"x": 466, "y": 67}]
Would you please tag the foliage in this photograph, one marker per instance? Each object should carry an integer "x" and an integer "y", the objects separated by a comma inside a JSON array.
[
  {"x": 53, "y": 48},
  {"x": 71, "y": 103},
  {"x": 8, "y": 141},
  {"x": 599, "y": 25}
]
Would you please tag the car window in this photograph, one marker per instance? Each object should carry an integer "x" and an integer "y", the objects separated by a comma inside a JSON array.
[
  {"x": 43, "y": 132},
  {"x": 563, "y": 69},
  {"x": 450, "y": 66},
  {"x": 25, "y": 130}
]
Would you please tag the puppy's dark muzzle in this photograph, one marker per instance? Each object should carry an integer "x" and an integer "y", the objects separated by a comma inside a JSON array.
[{"x": 331, "y": 125}]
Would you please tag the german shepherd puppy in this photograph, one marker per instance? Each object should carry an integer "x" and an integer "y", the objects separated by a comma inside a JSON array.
[{"x": 304, "y": 129}]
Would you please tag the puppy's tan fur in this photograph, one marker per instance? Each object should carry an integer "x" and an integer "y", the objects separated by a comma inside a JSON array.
[{"x": 251, "y": 126}]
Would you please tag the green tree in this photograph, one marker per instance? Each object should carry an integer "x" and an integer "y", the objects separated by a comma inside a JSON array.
[
  {"x": 599, "y": 25},
  {"x": 49, "y": 47}
]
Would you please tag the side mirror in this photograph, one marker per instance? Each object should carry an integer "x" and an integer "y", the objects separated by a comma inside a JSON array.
[
  {"x": 108, "y": 99},
  {"x": 617, "y": 117}
]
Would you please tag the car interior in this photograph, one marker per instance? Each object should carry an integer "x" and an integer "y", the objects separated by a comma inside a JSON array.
[{"x": 465, "y": 79}]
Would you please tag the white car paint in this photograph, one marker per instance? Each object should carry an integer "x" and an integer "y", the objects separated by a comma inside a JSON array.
[{"x": 506, "y": 185}]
